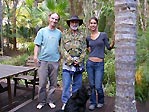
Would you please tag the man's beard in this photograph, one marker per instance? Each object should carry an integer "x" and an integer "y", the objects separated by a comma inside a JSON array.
[{"x": 74, "y": 27}]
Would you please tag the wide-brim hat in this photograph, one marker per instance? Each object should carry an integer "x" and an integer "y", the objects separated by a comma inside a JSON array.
[{"x": 74, "y": 18}]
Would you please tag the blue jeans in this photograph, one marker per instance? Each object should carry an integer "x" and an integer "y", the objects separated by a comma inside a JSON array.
[
  {"x": 68, "y": 78},
  {"x": 95, "y": 72}
]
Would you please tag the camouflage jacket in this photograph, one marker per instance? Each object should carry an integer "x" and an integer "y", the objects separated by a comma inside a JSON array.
[{"x": 73, "y": 46}]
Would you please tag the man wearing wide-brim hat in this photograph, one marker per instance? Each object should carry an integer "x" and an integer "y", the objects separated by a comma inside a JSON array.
[
  {"x": 74, "y": 18},
  {"x": 73, "y": 52}
]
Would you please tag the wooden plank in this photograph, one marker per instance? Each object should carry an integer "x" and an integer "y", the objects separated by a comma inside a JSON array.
[{"x": 10, "y": 70}]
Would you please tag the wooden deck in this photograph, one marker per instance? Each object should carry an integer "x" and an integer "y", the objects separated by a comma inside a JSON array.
[
  {"x": 31, "y": 106},
  {"x": 23, "y": 103}
]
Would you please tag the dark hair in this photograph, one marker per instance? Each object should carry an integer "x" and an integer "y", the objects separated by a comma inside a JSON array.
[
  {"x": 94, "y": 19},
  {"x": 55, "y": 13}
]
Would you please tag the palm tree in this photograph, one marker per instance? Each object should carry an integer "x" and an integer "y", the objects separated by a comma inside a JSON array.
[
  {"x": 60, "y": 7},
  {"x": 125, "y": 55}
]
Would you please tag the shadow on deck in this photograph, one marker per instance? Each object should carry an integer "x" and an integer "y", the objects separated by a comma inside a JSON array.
[{"x": 23, "y": 103}]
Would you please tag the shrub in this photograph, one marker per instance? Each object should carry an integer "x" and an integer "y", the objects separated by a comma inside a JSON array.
[{"x": 18, "y": 60}]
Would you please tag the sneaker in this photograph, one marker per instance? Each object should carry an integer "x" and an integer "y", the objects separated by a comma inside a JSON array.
[
  {"x": 52, "y": 105},
  {"x": 63, "y": 107},
  {"x": 92, "y": 107},
  {"x": 99, "y": 105},
  {"x": 40, "y": 105}
]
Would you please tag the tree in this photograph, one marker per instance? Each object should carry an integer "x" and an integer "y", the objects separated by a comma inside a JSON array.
[
  {"x": 125, "y": 54},
  {"x": 91, "y": 8},
  {"x": 9, "y": 27},
  {"x": 1, "y": 43},
  {"x": 76, "y": 7},
  {"x": 15, "y": 2},
  {"x": 143, "y": 11},
  {"x": 60, "y": 7}
]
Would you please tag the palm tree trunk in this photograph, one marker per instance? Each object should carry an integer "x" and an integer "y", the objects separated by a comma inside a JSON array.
[{"x": 125, "y": 55}]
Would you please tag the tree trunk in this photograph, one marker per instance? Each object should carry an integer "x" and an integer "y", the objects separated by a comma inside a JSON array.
[
  {"x": 36, "y": 3},
  {"x": 76, "y": 7},
  {"x": 1, "y": 39},
  {"x": 15, "y": 2},
  {"x": 91, "y": 8},
  {"x": 125, "y": 55}
]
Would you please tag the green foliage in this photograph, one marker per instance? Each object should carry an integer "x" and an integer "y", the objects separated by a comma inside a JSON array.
[
  {"x": 30, "y": 48},
  {"x": 59, "y": 6},
  {"x": 85, "y": 76},
  {"x": 27, "y": 47},
  {"x": 109, "y": 75},
  {"x": 102, "y": 23},
  {"x": 141, "y": 92},
  {"x": 29, "y": 3},
  {"x": 108, "y": 9},
  {"x": 18, "y": 60},
  {"x": 143, "y": 47},
  {"x": 142, "y": 88},
  {"x": 106, "y": 21},
  {"x": 26, "y": 32},
  {"x": 110, "y": 89}
]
